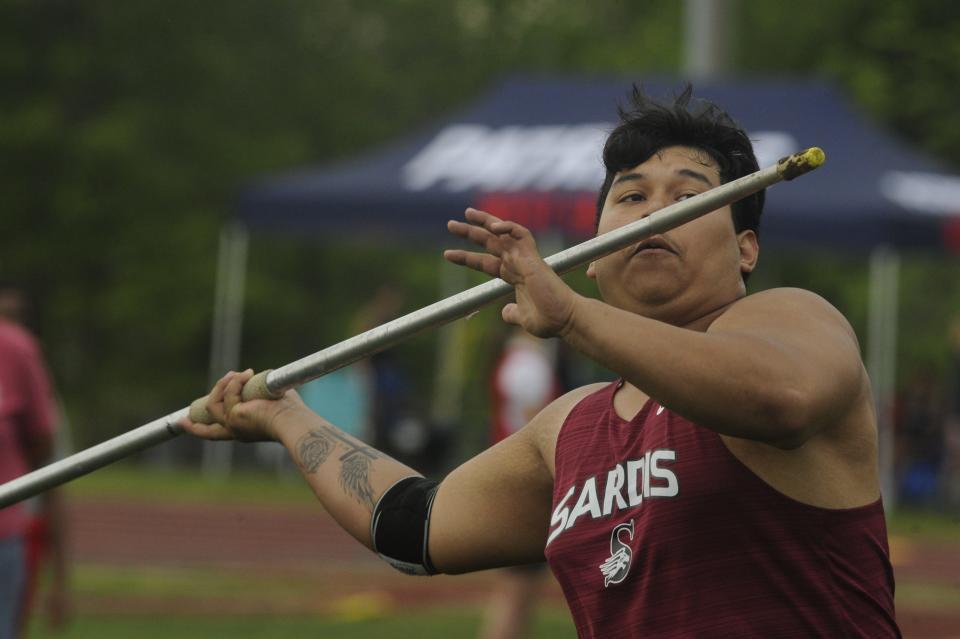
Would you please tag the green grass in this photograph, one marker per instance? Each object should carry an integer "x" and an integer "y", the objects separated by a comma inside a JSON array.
[
  {"x": 191, "y": 486},
  {"x": 142, "y": 581},
  {"x": 938, "y": 597},
  {"x": 925, "y": 525},
  {"x": 158, "y": 602},
  {"x": 548, "y": 624}
]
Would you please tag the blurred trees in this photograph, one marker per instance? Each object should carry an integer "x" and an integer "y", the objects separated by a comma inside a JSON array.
[
  {"x": 896, "y": 59},
  {"x": 127, "y": 128}
]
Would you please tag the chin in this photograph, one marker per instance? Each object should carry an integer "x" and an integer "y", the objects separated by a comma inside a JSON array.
[
  {"x": 654, "y": 303},
  {"x": 644, "y": 293},
  {"x": 653, "y": 293}
]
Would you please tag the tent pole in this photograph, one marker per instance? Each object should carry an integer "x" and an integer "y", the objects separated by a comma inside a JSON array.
[
  {"x": 226, "y": 329},
  {"x": 882, "y": 356},
  {"x": 708, "y": 27},
  {"x": 446, "y": 407}
]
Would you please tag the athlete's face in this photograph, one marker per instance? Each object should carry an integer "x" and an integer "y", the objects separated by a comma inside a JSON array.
[{"x": 689, "y": 271}]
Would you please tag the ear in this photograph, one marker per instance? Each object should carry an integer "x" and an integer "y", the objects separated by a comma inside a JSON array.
[
  {"x": 749, "y": 250},
  {"x": 592, "y": 271}
]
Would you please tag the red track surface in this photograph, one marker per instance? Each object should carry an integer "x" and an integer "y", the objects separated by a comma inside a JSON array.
[{"x": 331, "y": 572}]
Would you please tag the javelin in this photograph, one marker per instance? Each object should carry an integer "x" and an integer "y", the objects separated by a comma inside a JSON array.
[{"x": 272, "y": 384}]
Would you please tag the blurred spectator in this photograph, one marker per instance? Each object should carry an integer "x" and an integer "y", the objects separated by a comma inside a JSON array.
[
  {"x": 920, "y": 420},
  {"x": 523, "y": 382},
  {"x": 396, "y": 426},
  {"x": 951, "y": 440},
  {"x": 29, "y": 533}
]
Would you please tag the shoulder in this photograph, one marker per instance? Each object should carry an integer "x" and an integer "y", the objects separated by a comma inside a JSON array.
[
  {"x": 545, "y": 427},
  {"x": 786, "y": 308},
  {"x": 559, "y": 408},
  {"x": 805, "y": 333},
  {"x": 783, "y": 299}
]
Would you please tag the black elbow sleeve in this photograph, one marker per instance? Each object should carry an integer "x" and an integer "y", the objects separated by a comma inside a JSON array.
[{"x": 400, "y": 526}]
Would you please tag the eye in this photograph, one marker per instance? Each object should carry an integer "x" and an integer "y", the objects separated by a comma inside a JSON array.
[
  {"x": 686, "y": 196},
  {"x": 633, "y": 197}
]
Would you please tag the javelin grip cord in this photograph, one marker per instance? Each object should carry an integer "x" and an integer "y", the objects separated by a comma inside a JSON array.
[{"x": 272, "y": 384}]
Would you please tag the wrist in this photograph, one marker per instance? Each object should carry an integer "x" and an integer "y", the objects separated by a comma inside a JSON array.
[
  {"x": 285, "y": 419},
  {"x": 571, "y": 326}
]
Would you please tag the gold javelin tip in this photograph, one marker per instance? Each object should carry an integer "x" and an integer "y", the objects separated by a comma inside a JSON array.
[{"x": 800, "y": 163}]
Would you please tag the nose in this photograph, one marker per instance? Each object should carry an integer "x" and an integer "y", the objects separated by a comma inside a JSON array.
[{"x": 654, "y": 205}]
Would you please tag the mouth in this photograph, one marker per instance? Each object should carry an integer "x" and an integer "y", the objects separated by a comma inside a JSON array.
[{"x": 654, "y": 245}]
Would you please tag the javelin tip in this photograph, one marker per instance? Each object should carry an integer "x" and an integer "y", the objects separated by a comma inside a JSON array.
[{"x": 799, "y": 163}]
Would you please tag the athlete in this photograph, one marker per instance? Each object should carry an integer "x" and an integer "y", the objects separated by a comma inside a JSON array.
[{"x": 725, "y": 486}]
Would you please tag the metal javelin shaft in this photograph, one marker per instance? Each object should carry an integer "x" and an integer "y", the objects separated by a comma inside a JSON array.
[{"x": 274, "y": 383}]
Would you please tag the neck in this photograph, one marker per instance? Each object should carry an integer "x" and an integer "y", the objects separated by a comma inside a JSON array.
[{"x": 694, "y": 319}]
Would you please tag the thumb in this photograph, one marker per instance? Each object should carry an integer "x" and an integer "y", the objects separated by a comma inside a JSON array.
[{"x": 511, "y": 314}]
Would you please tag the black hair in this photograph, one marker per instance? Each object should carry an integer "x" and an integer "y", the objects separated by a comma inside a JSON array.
[{"x": 647, "y": 127}]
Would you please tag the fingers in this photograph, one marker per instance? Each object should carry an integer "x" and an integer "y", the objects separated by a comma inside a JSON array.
[
  {"x": 495, "y": 225},
  {"x": 514, "y": 230},
  {"x": 234, "y": 388},
  {"x": 498, "y": 237},
  {"x": 483, "y": 229},
  {"x": 224, "y": 395},
  {"x": 476, "y": 234},
  {"x": 482, "y": 262},
  {"x": 215, "y": 432},
  {"x": 488, "y": 231},
  {"x": 481, "y": 218},
  {"x": 215, "y": 399}
]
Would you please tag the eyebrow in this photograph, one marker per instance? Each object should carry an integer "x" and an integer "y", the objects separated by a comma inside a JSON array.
[
  {"x": 695, "y": 175},
  {"x": 690, "y": 173}
]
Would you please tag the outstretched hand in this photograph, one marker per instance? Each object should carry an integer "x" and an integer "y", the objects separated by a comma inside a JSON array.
[
  {"x": 251, "y": 421},
  {"x": 544, "y": 303}
]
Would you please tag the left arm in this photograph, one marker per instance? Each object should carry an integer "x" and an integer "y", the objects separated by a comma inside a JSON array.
[{"x": 775, "y": 367}]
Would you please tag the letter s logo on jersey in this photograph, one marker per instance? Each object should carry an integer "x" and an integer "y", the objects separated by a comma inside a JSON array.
[{"x": 617, "y": 565}]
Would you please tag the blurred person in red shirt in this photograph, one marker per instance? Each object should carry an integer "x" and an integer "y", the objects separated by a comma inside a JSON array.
[
  {"x": 31, "y": 532},
  {"x": 523, "y": 382}
]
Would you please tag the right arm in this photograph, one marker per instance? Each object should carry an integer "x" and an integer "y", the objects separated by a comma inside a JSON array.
[{"x": 494, "y": 510}]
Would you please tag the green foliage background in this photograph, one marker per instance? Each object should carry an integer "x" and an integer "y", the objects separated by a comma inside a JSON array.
[{"x": 126, "y": 129}]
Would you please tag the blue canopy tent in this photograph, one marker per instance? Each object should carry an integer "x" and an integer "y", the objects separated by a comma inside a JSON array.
[
  {"x": 537, "y": 141},
  {"x": 529, "y": 149}
]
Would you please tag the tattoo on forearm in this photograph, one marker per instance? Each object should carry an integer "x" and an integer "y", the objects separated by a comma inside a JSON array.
[
  {"x": 314, "y": 448},
  {"x": 355, "y": 479},
  {"x": 355, "y": 471}
]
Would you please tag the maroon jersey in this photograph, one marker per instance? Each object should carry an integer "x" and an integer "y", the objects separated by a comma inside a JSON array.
[{"x": 659, "y": 531}]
